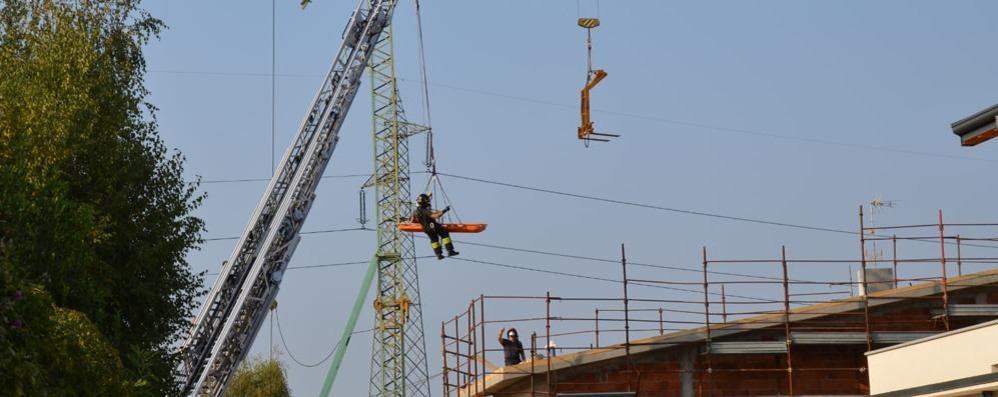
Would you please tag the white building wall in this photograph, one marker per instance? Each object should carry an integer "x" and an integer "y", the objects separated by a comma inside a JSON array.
[{"x": 953, "y": 355}]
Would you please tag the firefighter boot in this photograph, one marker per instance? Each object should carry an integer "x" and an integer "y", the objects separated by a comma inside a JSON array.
[
  {"x": 450, "y": 247},
  {"x": 437, "y": 250}
]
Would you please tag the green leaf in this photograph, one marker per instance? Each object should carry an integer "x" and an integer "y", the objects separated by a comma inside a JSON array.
[{"x": 94, "y": 210}]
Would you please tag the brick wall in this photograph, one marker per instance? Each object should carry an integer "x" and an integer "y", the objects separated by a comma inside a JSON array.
[{"x": 817, "y": 369}]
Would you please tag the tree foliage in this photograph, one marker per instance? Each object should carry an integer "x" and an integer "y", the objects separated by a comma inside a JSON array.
[
  {"x": 257, "y": 377},
  {"x": 94, "y": 213},
  {"x": 54, "y": 351}
]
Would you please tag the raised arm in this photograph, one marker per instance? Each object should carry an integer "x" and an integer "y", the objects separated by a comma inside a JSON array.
[
  {"x": 502, "y": 331},
  {"x": 438, "y": 214}
]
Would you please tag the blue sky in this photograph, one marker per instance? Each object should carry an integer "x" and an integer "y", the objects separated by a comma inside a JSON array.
[{"x": 784, "y": 111}]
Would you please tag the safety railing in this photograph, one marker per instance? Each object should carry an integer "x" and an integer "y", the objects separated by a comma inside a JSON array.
[{"x": 732, "y": 295}]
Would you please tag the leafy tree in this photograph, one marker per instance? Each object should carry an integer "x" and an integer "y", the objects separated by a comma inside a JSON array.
[
  {"x": 94, "y": 212},
  {"x": 54, "y": 351},
  {"x": 257, "y": 377}
]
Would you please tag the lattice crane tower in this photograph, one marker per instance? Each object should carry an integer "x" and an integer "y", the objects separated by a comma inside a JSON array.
[
  {"x": 398, "y": 360},
  {"x": 234, "y": 310}
]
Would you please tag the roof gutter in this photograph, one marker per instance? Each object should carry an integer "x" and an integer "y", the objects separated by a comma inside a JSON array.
[{"x": 978, "y": 127}]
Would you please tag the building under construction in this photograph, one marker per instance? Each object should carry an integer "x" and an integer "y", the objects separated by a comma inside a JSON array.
[
  {"x": 786, "y": 341},
  {"x": 783, "y": 334}
]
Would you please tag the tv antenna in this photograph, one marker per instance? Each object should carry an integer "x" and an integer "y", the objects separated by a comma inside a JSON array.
[{"x": 879, "y": 206}]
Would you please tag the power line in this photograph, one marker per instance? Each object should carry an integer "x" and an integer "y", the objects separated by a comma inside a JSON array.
[
  {"x": 601, "y": 199},
  {"x": 237, "y": 180},
  {"x": 605, "y": 260},
  {"x": 325, "y": 265},
  {"x": 597, "y": 278},
  {"x": 711, "y": 127},
  {"x": 685, "y": 211},
  {"x": 548, "y": 253},
  {"x": 336, "y": 347},
  {"x": 434, "y": 376},
  {"x": 212, "y": 181},
  {"x": 612, "y": 201},
  {"x": 230, "y": 74},
  {"x": 273, "y": 84},
  {"x": 616, "y": 261},
  {"x": 316, "y": 266},
  {"x": 625, "y": 114},
  {"x": 524, "y": 268},
  {"x": 308, "y": 232},
  {"x": 552, "y": 272},
  {"x": 649, "y": 206}
]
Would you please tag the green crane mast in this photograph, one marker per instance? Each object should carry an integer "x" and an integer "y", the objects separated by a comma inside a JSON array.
[{"x": 398, "y": 361}]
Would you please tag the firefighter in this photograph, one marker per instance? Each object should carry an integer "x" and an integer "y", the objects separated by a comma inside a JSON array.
[{"x": 427, "y": 217}]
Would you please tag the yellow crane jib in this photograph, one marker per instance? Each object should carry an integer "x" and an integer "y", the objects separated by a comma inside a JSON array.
[{"x": 586, "y": 129}]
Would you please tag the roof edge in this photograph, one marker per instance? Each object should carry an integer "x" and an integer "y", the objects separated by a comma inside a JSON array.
[{"x": 973, "y": 122}]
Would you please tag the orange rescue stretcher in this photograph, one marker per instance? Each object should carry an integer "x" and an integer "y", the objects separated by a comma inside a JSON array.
[{"x": 450, "y": 227}]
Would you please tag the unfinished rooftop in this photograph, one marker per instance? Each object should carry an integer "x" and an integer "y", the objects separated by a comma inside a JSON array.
[{"x": 769, "y": 332}]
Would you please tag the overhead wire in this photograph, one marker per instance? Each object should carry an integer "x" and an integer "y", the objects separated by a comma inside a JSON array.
[
  {"x": 597, "y": 278},
  {"x": 558, "y": 273},
  {"x": 744, "y": 131},
  {"x": 639, "y": 205},
  {"x": 426, "y": 98},
  {"x": 678, "y": 210},
  {"x": 433, "y": 182},
  {"x": 618, "y": 202},
  {"x": 524, "y": 268},
  {"x": 273, "y": 85},
  {"x": 427, "y": 380},
  {"x": 516, "y": 249},
  {"x": 314, "y": 266},
  {"x": 648, "y": 206},
  {"x": 430, "y": 161},
  {"x": 699, "y": 125},
  {"x": 325, "y": 265},
  {"x": 231, "y": 73},
  {"x": 517, "y": 267},
  {"x": 563, "y": 255},
  {"x": 280, "y": 332},
  {"x": 237, "y": 180},
  {"x": 432, "y": 168},
  {"x": 422, "y": 64},
  {"x": 578, "y": 8},
  {"x": 273, "y": 115},
  {"x": 617, "y": 261},
  {"x": 307, "y": 232}
]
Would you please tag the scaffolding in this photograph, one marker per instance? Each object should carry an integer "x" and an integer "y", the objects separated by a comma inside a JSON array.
[{"x": 745, "y": 307}]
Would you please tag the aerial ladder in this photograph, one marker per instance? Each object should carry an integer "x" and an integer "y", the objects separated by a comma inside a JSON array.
[{"x": 235, "y": 308}]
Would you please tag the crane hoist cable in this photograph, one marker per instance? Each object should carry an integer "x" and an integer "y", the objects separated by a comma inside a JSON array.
[
  {"x": 430, "y": 161},
  {"x": 452, "y": 221}
]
